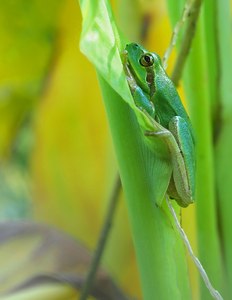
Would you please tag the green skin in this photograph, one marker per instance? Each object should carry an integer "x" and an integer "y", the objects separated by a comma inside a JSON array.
[{"x": 154, "y": 92}]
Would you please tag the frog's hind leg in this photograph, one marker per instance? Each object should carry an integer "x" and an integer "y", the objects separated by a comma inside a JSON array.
[
  {"x": 181, "y": 189},
  {"x": 183, "y": 136}
]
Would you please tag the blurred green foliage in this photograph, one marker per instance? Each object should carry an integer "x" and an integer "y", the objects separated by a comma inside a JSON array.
[
  {"x": 27, "y": 49},
  {"x": 56, "y": 160}
]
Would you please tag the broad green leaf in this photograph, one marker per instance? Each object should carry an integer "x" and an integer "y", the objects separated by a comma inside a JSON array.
[{"x": 144, "y": 174}]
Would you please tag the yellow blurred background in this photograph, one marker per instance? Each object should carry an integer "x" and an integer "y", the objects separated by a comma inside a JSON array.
[{"x": 57, "y": 160}]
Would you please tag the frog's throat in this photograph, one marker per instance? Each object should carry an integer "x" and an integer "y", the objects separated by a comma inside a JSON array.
[{"x": 144, "y": 86}]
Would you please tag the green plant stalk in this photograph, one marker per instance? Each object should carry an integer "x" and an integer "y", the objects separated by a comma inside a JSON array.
[
  {"x": 197, "y": 92},
  {"x": 224, "y": 143},
  {"x": 102, "y": 241},
  {"x": 209, "y": 11},
  {"x": 185, "y": 45},
  {"x": 160, "y": 253},
  {"x": 200, "y": 108}
]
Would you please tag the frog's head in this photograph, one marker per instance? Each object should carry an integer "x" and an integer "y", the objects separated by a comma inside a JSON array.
[{"x": 141, "y": 62}]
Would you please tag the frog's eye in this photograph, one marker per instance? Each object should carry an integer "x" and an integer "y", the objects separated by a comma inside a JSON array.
[{"x": 147, "y": 60}]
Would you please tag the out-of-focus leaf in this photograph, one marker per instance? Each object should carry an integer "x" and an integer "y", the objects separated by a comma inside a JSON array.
[
  {"x": 34, "y": 255},
  {"x": 73, "y": 167},
  {"x": 14, "y": 193},
  {"x": 223, "y": 128},
  {"x": 27, "y": 34},
  {"x": 47, "y": 291}
]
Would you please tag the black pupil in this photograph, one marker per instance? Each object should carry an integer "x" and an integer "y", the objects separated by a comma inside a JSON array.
[{"x": 147, "y": 59}]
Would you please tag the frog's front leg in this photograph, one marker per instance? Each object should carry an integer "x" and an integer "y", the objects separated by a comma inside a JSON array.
[
  {"x": 141, "y": 99},
  {"x": 180, "y": 143}
]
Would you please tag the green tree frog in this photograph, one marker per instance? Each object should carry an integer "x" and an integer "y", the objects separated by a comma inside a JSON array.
[{"x": 155, "y": 94}]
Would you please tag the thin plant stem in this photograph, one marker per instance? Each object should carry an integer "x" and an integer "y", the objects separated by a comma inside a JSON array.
[
  {"x": 176, "y": 31},
  {"x": 187, "y": 41},
  {"x": 90, "y": 277},
  {"x": 215, "y": 294}
]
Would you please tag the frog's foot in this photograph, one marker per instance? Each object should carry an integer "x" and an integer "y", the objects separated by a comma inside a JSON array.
[
  {"x": 161, "y": 133},
  {"x": 124, "y": 55}
]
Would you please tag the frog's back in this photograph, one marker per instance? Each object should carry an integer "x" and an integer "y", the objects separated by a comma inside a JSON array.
[{"x": 167, "y": 101}]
